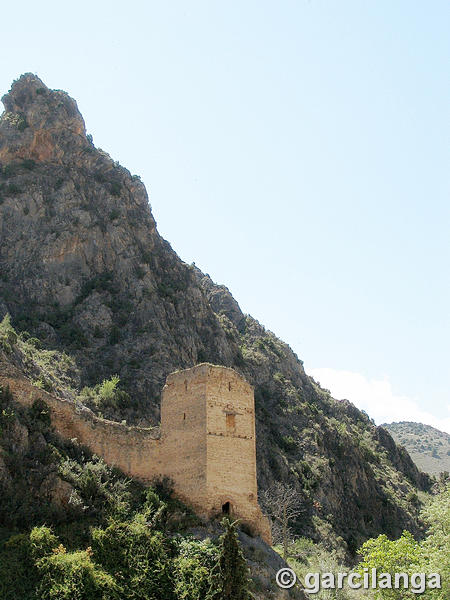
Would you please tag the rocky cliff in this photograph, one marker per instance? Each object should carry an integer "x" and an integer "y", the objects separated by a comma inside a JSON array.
[{"x": 84, "y": 270}]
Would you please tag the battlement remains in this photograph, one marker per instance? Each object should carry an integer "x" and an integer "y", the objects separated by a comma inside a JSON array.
[{"x": 206, "y": 442}]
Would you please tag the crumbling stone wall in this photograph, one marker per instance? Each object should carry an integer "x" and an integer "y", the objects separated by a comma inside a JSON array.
[{"x": 206, "y": 442}]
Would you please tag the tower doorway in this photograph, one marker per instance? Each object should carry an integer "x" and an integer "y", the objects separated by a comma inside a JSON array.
[{"x": 226, "y": 508}]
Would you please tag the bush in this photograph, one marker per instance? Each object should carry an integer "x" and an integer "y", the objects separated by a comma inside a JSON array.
[
  {"x": 9, "y": 171},
  {"x": 138, "y": 557},
  {"x": 114, "y": 335},
  {"x": 40, "y": 413},
  {"x": 18, "y": 575},
  {"x": 115, "y": 189},
  {"x": 108, "y": 388},
  {"x": 102, "y": 492},
  {"x": 43, "y": 383},
  {"x": 101, "y": 282},
  {"x": 42, "y": 542},
  {"x": 192, "y": 569},
  {"x": 29, "y": 163},
  {"x": 5, "y": 396},
  {"x": 8, "y": 337},
  {"x": 105, "y": 395},
  {"x": 74, "y": 576}
]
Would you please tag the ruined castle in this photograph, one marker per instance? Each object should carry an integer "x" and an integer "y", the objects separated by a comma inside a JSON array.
[{"x": 205, "y": 444}]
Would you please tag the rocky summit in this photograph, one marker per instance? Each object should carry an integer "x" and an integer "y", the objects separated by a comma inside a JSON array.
[{"x": 84, "y": 271}]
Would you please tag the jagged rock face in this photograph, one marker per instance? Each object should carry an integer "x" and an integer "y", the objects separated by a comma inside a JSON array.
[
  {"x": 39, "y": 124},
  {"x": 83, "y": 268},
  {"x": 81, "y": 261}
]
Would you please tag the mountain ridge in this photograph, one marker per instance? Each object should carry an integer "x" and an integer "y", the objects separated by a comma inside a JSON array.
[{"x": 428, "y": 446}]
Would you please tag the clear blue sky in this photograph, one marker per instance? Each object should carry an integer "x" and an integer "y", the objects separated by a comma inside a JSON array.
[{"x": 296, "y": 150}]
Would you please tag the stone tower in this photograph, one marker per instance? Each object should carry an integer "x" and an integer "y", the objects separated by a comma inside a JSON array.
[
  {"x": 208, "y": 435},
  {"x": 206, "y": 442}
]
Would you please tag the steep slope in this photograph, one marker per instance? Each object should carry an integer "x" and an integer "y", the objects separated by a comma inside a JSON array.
[
  {"x": 84, "y": 269},
  {"x": 46, "y": 479},
  {"x": 428, "y": 447},
  {"x": 82, "y": 265}
]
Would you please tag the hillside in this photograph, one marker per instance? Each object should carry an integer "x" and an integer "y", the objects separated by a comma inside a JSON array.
[
  {"x": 107, "y": 532},
  {"x": 428, "y": 447},
  {"x": 84, "y": 271}
]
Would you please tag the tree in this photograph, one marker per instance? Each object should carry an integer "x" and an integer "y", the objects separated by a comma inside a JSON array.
[
  {"x": 193, "y": 567},
  {"x": 282, "y": 504},
  {"x": 74, "y": 576},
  {"x": 391, "y": 556},
  {"x": 230, "y": 576},
  {"x": 139, "y": 558},
  {"x": 405, "y": 555},
  {"x": 436, "y": 546}
]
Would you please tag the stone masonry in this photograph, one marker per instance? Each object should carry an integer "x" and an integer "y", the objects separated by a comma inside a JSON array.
[{"x": 206, "y": 442}]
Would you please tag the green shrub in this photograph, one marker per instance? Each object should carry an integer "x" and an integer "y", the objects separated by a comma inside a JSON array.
[
  {"x": 8, "y": 337},
  {"x": 74, "y": 576},
  {"x": 7, "y": 417},
  {"x": 29, "y": 163},
  {"x": 39, "y": 412},
  {"x": 8, "y": 171},
  {"x": 101, "y": 282},
  {"x": 152, "y": 500},
  {"x": 105, "y": 395},
  {"x": 115, "y": 188},
  {"x": 288, "y": 443},
  {"x": 192, "y": 569},
  {"x": 18, "y": 575},
  {"x": 139, "y": 558},
  {"x": 114, "y": 335},
  {"x": 140, "y": 272},
  {"x": 43, "y": 383},
  {"x": 108, "y": 388},
  {"x": 42, "y": 542},
  {"x": 100, "y": 177},
  {"x": 16, "y": 120},
  {"x": 5, "y": 396}
]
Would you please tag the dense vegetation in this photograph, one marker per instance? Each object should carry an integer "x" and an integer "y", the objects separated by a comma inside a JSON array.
[
  {"x": 85, "y": 514},
  {"x": 405, "y": 555},
  {"x": 128, "y": 558},
  {"x": 402, "y": 555},
  {"x": 72, "y": 528}
]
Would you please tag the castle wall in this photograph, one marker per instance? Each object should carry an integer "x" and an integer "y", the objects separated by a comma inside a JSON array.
[
  {"x": 136, "y": 451},
  {"x": 206, "y": 443}
]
